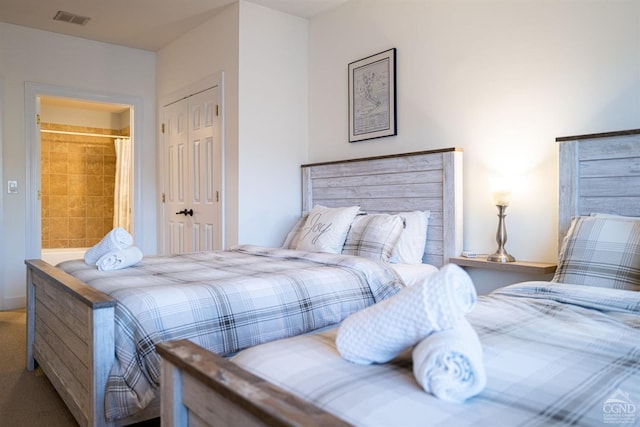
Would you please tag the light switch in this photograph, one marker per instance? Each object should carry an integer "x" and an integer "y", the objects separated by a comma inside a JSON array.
[{"x": 12, "y": 187}]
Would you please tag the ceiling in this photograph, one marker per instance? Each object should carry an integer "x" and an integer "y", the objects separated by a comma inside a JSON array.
[{"x": 140, "y": 24}]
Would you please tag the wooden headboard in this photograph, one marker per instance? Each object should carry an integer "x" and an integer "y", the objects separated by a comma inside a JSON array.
[
  {"x": 425, "y": 180},
  {"x": 598, "y": 173}
]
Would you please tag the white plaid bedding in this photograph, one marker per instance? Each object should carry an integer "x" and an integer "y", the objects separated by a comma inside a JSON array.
[
  {"x": 554, "y": 354},
  {"x": 224, "y": 301}
]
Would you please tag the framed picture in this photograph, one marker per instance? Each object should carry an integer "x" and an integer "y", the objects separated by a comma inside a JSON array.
[{"x": 372, "y": 97}]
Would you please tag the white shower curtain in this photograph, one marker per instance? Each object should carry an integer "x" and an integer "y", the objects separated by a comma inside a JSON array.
[{"x": 122, "y": 193}]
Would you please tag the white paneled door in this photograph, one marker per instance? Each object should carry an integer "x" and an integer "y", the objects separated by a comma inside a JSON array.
[{"x": 192, "y": 174}]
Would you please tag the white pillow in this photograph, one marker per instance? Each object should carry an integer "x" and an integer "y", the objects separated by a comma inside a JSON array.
[
  {"x": 326, "y": 229},
  {"x": 412, "y": 242}
]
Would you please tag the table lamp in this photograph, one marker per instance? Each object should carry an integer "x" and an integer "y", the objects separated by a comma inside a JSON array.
[{"x": 501, "y": 198}]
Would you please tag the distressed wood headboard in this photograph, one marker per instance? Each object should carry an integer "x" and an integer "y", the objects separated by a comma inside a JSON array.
[
  {"x": 425, "y": 180},
  {"x": 598, "y": 173}
]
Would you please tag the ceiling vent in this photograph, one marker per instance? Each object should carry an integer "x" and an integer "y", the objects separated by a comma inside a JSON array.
[{"x": 71, "y": 18}]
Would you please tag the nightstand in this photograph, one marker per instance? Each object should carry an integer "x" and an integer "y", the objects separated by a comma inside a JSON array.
[
  {"x": 524, "y": 267},
  {"x": 488, "y": 276}
]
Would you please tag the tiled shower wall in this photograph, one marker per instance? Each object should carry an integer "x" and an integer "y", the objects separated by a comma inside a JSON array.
[{"x": 77, "y": 184}]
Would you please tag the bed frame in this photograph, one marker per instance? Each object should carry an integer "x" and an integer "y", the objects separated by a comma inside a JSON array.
[
  {"x": 427, "y": 180},
  {"x": 598, "y": 173},
  {"x": 70, "y": 326}
]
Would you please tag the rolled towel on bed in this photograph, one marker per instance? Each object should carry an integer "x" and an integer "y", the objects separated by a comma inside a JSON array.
[
  {"x": 449, "y": 365},
  {"x": 380, "y": 332},
  {"x": 115, "y": 240},
  {"x": 123, "y": 258}
]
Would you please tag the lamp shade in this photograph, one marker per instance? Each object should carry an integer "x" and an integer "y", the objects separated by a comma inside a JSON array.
[
  {"x": 502, "y": 197},
  {"x": 501, "y": 191}
]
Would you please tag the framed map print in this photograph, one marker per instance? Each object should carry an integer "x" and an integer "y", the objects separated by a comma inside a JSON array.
[{"x": 372, "y": 97}]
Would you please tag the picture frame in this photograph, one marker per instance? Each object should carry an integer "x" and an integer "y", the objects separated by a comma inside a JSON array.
[{"x": 372, "y": 97}]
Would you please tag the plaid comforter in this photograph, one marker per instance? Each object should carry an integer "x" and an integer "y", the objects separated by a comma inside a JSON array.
[
  {"x": 224, "y": 301},
  {"x": 554, "y": 354}
]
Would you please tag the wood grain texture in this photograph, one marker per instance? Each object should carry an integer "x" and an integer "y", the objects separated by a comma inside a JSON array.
[
  {"x": 599, "y": 173},
  {"x": 425, "y": 180},
  {"x": 599, "y": 135},
  {"x": 523, "y": 267},
  {"x": 217, "y": 392},
  {"x": 70, "y": 334}
]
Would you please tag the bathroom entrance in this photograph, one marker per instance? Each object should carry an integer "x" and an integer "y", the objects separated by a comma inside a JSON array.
[
  {"x": 85, "y": 174},
  {"x": 96, "y": 114}
]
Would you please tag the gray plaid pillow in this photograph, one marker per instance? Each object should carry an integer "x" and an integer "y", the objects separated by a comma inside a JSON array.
[
  {"x": 373, "y": 236},
  {"x": 291, "y": 241},
  {"x": 601, "y": 251}
]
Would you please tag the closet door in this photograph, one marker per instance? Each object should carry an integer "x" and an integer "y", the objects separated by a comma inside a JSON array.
[
  {"x": 205, "y": 174},
  {"x": 192, "y": 174},
  {"x": 175, "y": 176}
]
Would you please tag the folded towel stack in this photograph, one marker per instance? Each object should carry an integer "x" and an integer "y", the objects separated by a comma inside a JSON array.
[
  {"x": 114, "y": 251},
  {"x": 449, "y": 363},
  {"x": 115, "y": 240},
  {"x": 116, "y": 260},
  {"x": 381, "y": 332}
]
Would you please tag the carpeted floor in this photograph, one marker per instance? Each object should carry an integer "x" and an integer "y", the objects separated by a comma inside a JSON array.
[{"x": 27, "y": 399}]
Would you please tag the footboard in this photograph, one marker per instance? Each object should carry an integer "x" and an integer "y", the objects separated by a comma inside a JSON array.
[
  {"x": 70, "y": 334},
  {"x": 200, "y": 388}
]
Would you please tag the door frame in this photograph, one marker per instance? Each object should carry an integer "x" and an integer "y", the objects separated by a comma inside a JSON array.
[
  {"x": 2, "y": 284},
  {"x": 216, "y": 79},
  {"x": 33, "y": 91}
]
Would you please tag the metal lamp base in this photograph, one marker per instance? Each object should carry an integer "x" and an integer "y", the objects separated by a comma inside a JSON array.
[
  {"x": 500, "y": 258},
  {"x": 501, "y": 254}
]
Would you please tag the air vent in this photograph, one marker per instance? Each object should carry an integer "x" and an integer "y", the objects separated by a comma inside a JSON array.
[{"x": 71, "y": 18}]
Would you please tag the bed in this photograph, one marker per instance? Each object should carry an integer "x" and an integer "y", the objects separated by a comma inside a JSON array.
[
  {"x": 564, "y": 352},
  {"x": 73, "y": 327}
]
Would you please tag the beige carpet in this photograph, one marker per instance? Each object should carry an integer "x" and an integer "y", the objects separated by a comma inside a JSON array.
[{"x": 27, "y": 398}]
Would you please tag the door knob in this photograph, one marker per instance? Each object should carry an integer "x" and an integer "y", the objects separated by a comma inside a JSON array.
[{"x": 185, "y": 212}]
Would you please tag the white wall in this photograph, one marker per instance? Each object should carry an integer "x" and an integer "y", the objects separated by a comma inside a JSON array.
[
  {"x": 199, "y": 54},
  {"x": 263, "y": 54},
  {"x": 272, "y": 122},
  {"x": 501, "y": 79},
  {"x": 28, "y": 55}
]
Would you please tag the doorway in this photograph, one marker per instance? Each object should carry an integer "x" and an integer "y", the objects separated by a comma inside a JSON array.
[
  {"x": 85, "y": 170},
  {"x": 72, "y": 168}
]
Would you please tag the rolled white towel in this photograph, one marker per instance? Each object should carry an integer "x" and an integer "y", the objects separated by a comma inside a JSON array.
[
  {"x": 449, "y": 365},
  {"x": 122, "y": 258},
  {"x": 379, "y": 333},
  {"x": 116, "y": 239}
]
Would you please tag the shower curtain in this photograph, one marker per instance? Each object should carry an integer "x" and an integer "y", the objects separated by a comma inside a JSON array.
[{"x": 122, "y": 193}]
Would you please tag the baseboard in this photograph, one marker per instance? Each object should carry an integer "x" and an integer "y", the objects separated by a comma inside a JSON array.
[{"x": 13, "y": 303}]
